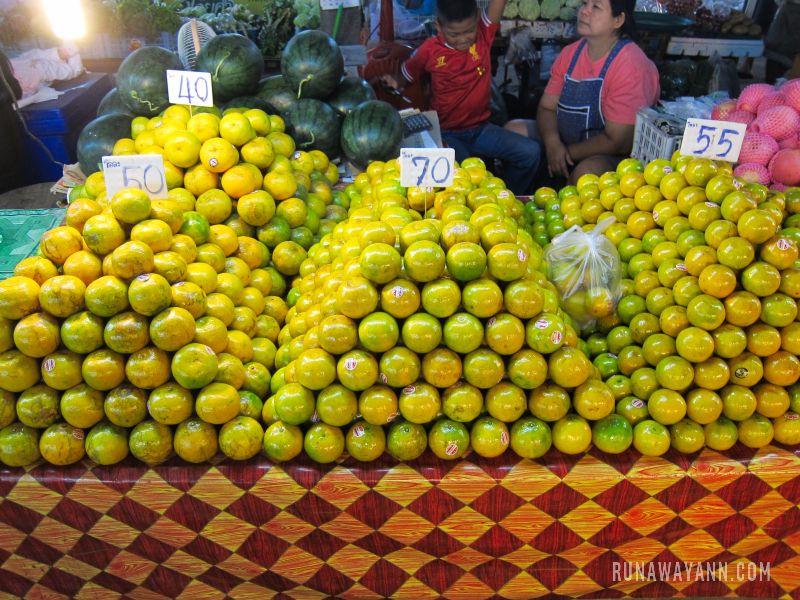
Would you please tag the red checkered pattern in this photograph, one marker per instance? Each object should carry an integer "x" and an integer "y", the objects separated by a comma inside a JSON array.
[{"x": 475, "y": 528}]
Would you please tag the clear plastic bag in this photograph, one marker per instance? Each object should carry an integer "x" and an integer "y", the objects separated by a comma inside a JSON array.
[
  {"x": 520, "y": 47},
  {"x": 586, "y": 269}
]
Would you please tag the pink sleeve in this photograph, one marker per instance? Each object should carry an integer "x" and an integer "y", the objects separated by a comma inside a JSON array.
[
  {"x": 559, "y": 69},
  {"x": 631, "y": 83}
]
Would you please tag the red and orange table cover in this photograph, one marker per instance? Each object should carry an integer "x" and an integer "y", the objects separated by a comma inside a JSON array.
[{"x": 711, "y": 524}]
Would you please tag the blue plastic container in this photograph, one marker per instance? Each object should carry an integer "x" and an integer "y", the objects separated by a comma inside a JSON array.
[{"x": 59, "y": 122}]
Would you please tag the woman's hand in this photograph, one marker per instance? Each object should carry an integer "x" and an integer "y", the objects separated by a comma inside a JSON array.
[{"x": 559, "y": 162}]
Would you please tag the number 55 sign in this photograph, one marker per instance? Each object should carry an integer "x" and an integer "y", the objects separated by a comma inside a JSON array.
[{"x": 717, "y": 140}]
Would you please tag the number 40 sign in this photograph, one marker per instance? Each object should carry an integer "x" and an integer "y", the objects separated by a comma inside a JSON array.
[
  {"x": 189, "y": 87},
  {"x": 717, "y": 140}
]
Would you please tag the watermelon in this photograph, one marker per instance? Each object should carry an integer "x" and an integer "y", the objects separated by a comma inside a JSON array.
[
  {"x": 312, "y": 64},
  {"x": 350, "y": 92},
  {"x": 235, "y": 64},
  {"x": 142, "y": 79},
  {"x": 98, "y": 138},
  {"x": 112, "y": 103},
  {"x": 371, "y": 131},
  {"x": 314, "y": 126},
  {"x": 250, "y": 102},
  {"x": 276, "y": 91}
]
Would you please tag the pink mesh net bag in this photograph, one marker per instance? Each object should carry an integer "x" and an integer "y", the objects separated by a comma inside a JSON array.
[
  {"x": 779, "y": 122},
  {"x": 741, "y": 116},
  {"x": 752, "y": 173},
  {"x": 791, "y": 91},
  {"x": 785, "y": 167},
  {"x": 757, "y": 148},
  {"x": 770, "y": 100},
  {"x": 789, "y": 143},
  {"x": 752, "y": 95}
]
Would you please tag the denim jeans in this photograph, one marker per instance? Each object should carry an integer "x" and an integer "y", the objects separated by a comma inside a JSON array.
[{"x": 520, "y": 154}]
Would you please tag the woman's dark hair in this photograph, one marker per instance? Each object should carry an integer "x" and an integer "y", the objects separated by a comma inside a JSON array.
[
  {"x": 625, "y": 6},
  {"x": 452, "y": 11}
]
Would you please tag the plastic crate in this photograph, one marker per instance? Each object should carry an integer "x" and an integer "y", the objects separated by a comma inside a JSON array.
[{"x": 650, "y": 140}]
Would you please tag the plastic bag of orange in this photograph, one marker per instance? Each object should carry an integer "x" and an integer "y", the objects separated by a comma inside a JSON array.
[{"x": 585, "y": 267}]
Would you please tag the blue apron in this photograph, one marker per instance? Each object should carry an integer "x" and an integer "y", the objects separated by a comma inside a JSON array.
[{"x": 579, "y": 113}]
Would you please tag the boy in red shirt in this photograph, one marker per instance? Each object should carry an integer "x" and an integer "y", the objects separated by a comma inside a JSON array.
[{"x": 458, "y": 60}]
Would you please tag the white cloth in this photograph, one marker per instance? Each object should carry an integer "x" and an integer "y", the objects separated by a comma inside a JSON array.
[{"x": 37, "y": 68}]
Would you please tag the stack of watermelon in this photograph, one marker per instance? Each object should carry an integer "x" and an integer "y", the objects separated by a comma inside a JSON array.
[
  {"x": 771, "y": 149},
  {"x": 324, "y": 110}
]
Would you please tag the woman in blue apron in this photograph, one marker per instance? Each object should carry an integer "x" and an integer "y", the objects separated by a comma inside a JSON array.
[{"x": 587, "y": 114}]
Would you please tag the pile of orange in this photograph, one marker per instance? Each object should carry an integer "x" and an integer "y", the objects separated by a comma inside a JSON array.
[
  {"x": 256, "y": 309},
  {"x": 705, "y": 341},
  {"x": 428, "y": 313},
  {"x": 150, "y": 326}
]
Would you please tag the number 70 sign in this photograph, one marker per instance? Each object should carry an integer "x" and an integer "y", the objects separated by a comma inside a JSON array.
[{"x": 717, "y": 140}]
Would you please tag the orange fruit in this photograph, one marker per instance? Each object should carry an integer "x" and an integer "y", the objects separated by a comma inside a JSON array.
[
  {"x": 82, "y": 332},
  {"x": 61, "y": 369},
  {"x": 62, "y": 295},
  {"x": 37, "y": 268},
  {"x": 195, "y": 441},
  {"x": 218, "y": 155},
  {"x": 130, "y": 205},
  {"x": 746, "y": 369},
  {"x": 149, "y": 294},
  {"x": 194, "y": 366},
  {"x": 147, "y": 368},
  {"x": 37, "y": 335},
  {"x": 782, "y": 368},
  {"x": 59, "y": 243},
  {"x": 572, "y": 434},
  {"x": 103, "y": 369},
  {"x": 569, "y": 367}
]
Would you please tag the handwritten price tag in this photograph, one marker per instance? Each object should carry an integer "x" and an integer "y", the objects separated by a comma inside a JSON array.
[
  {"x": 427, "y": 167},
  {"x": 717, "y": 140},
  {"x": 142, "y": 171},
  {"x": 189, "y": 87}
]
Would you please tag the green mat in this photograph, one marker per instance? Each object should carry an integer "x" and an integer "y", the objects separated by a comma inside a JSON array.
[{"x": 20, "y": 231}]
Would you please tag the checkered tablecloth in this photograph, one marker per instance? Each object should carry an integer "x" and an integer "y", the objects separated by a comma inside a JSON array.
[{"x": 560, "y": 526}]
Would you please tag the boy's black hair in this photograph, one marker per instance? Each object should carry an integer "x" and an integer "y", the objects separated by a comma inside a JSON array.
[
  {"x": 452, "y": 11},
  {"x": 625, "y": 6}
]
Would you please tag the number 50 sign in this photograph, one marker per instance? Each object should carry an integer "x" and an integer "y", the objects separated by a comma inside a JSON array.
[
  {"x": 717, "y": 140},
  {"x": 142, "y": 171}
]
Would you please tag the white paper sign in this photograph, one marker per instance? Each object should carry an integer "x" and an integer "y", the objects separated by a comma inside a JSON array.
[
  {"x": 142, "y": 171},
  {"x": 427, "y": 167},
  {"x": 717, "y": 140},
  {"x": 190, "y": 87},
  {"x": 334, "y": 4}
]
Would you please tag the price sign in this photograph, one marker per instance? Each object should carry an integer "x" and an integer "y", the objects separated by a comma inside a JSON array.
[
  {"x": 717, "y": 140},
  {"x": 189, "y": 87},
  {"x": 427, "y": 167},
  {"x": 142, "y": 171}
]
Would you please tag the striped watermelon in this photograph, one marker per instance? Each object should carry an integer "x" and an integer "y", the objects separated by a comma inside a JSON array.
[
  {"x": 350, "y": 92},
  {"x": 142, "y": 79},
  {"x": 371, "y": 131},
  {"x": 275, "y": 91},
  {"x": 112, "y": 103},
  {"x": 312, "y": 64},
  {"x": 97, "y": 139},
  {"x": 235, "y": 64},
  {"x": 314, "y": 126}
]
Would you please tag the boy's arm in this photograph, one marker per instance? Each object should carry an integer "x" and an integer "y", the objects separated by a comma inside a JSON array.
[{"x": 495, "y": 10}]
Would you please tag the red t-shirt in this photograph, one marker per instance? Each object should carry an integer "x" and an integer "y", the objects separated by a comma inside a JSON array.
[
  {"x": 460, "y": 80},
  {"x": 631, "y": 81}
]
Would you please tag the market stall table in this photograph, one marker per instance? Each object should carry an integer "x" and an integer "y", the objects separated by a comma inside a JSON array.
[{"x": 561, "y": 525}]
